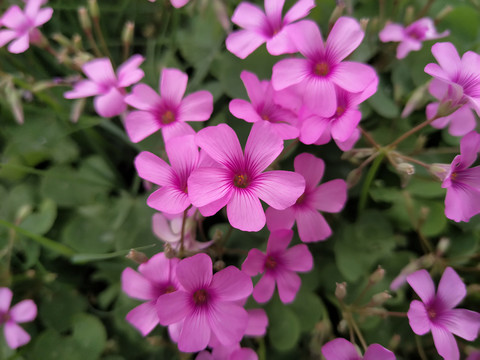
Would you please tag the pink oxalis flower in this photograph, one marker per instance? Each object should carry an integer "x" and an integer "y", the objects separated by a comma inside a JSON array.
[
  {"x": 176, "y": 3},
  {"x": 330, "y": 197},
  {"x": 22, "y": 25},
  {"x": 263, "y": 108},
  {"x": 156, "y": 277},
  {"x": 279, "y": 266},
  {"x": 435, "y": 312},
  {"x": 323, "y": 69},
  {"x": 239, "y": 180},
  {"x": 412, "y": 36},
  {"x": 24, "y": 311},
  {"x": 206, "y": 303},
  {"x": 168, "y": 111},
  {"x": 456, "y": 84},
  {"x": 107, "y": 87},
  {"x": 341, "y": 349},
  {"x": 462, "y": 182},
  {"x": 259, "y": 27},
  {"x": 173, "y": 195}
]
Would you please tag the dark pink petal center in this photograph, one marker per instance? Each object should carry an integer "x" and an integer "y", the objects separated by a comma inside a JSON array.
[
  {"x": 417, "y": 32},
  {"x": 200, "y": 297},
  {"x": 301, "y": 199},
  {"x": 340, "y": 111},
  {"x": 321, "y": 69},
  {"x": 4, "y": 317},
  {"x": 241, "y": 181},
  {"x": 270, "y": 263},
  {"x": 432, "y": 313},
  {"x": 168, "y": 117}
]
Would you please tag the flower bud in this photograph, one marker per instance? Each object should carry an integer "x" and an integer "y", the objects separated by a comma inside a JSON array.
[
  {"x": 219, "y": 265},
  {"x": 377, "y": 275},
  {"x": 84, "y": 18},
  {"x": 353, "y": 177},
  {"x": 127, "y": 32},
  {"x": 137, "y": 256},
  {"x": 168, "y": 251},
  {"x": 443, "y": 245},
  {"x": 341, "y": 291},
  {"x": 380, "y": 298},
  {"x": 93, "y": 8},
  {"x": 405, "y": 168},
  {"x": 336, "y": 13}
]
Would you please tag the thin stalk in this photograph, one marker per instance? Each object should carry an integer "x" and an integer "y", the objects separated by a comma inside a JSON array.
[
  {"x": 368, "y": 181},
  {"x": 369, "y": 138},
  {"x": 358, "y": 333},
  {"x": 182, "y": 231},
  {"x": 92, "y": 43},
  {"x": 99, "y": 33},
  {"x": 421, "y": 352},
  {"x": 411, "y": 132}
]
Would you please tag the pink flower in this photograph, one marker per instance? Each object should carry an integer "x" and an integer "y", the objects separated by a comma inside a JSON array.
[
  {"x": 206, "y": 304},
  {"x": 329, "y": 197},
  {"x": 259, "y": 27},
  {"x": 228, "y": 353},
  {"x": 22, "y": 25},
  {"x": 457, "y": 81},
  {"x": 436, "y": 312},
  {"x": 263, "y": 108},
  {"x": 156, "y": 277},
  {"x": 412, "y": 36},
  {"x": 323, "y": 67},
  {"x": 108, "y": 88},
  {"x": 239, "y": 180},
  {"x": 176, "y": 3},
  {"x": 173, "y": 195},
  {"x": 475, "y": 355},
  {"x": 463, "y": 183},
  {"x": 168, "y": 111},
  {"x": 24, "y": 311},
  {"x": 341, "y": 349},
  {"x": 279, "y": 266}
]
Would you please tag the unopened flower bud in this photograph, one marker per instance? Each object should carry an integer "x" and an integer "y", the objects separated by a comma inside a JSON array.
[
  {"x": 342, "y": 326},
  {"x": 61, "y": 39},
  {"x": 22, "y": 213},
  {"x": 444, "y": 12},
  {"x": 337, "y": 12},
  {"x": 341, "y": 291},
  {"x": 439, "y": 170},
  {"x": 137, "y": 256},
  {"x": 364, "y": 23},
  {"x": 409, "y": 15},
  {"x": 443, "y": 245},
  {"x": 93, "y": 8},
  {"x": 377, "y": 275},
  {"x": 219, "y": 265},
  {"x": 380, "y": 298},
  {"x": 84, "y": 18},
  {"x": 394, "y": 342},
  {"x": 127, "y": 32},
  {"x": 405, "y": 168},
  {"x": 353, "y": 177},
  {"x": 416, "y": 100},
  {"x": 217, "y": 235},
  {"x": 168, "y": 251}
]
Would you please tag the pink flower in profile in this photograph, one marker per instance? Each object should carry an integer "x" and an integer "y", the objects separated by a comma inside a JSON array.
[
  {"x": 24, "y": 311},
  {"x": 239, "y": 180},
  {"x": 168, "y": 111},
  {"x": 173, "y": 195},
  {"x": 324, "y": 70},
  {"x": 107, "y": 87},
  {"x": 259, "y": 27},
  {"x": 22, "y": 25},
  {"x": 156, "y": 277},
  {"x": 330, "y": 197},
  {"x": 456, "y": 81},
  {"x": 341, "y": 349},
  {"x": 234, "y": 352},
  {"x": 263, "y": 108},
  {"x": 278, "y": 266},
  {"x": 436, "y": 311},
  {"x": 412, "y": 36},
  {"x": 462, "y": 182},
  {"x": 206, "y": 303},
  {"x": 176, "y": 3}
]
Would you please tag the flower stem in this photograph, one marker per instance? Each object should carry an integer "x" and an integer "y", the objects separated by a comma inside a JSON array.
[
  {"x": 182, "y": 232},
  {"x": 369, "y": 138},
  {"x": 368, "y": 180},
  {"x": 411, "y": 132}
]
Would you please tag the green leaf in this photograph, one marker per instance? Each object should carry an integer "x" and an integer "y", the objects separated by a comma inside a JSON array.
[
  {"x": 52, "y": 346},
  {"x": 383, "y": 104},
  {"x": 90, "y": 335},
  {"x": 88, "y": 235},
  {"x": 40, "y": 222},
  {"x": 284, "y": 326},
  {"x": 309, "y": 309}
]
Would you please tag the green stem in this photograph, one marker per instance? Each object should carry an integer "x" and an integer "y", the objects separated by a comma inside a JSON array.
[
  {"x": 48, "y": 243},
  {"x": 368, "y": 181}
]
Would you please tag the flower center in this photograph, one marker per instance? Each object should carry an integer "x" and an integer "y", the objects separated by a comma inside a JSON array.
[
  {"x": 270, "y": 263},
  {"x": 4, "y": 317},
  {"x": 265, "y": 117},
  {"x": 453, "y": 176},
  {"x": 301, "y": 199},
  {"x": 241, "y": 181},
  {"x": 170, "y": 289},
  {"x": 321, "y": 69},
  {"x": 340, "y": 111},
  {"x": 200, "y": 297},
  {"x": 432, "y": 313},
  {"x": 168, "y": 117}
]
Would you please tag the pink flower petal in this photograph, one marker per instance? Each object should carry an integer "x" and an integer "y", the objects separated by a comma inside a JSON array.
[
  {"x": 340, "y": 349},
  {"x": 445, "y": 343},
  {"x": 298, "y": 258},
  {"x": 461, "y": 322},
  {"x": 330, "y": 196},
  {"x": 228, "y": 322},
  {"x": 451, "y": 289},
  {"x": 137, "y": 286},
  {"x": 312, "y": 127},
  {"x": 311, "y": 225},
  {"x": 151, "y": 168},
  {"x": 144, "y": 317},
  {"x": 6, "y": 36},
  {"x": 15, "y": 335},
  {"x": 311, "y": 168},
  {"x": 197, "y": 106},
  {"x": 345, "y": 36},
  {"x": 437, "y": 72},
  {"x": 43, "y": 16},
  {"x": 253, "y": 86},
  {"x": 423, "y": 285},
  {"x": 263, "y": 290},
  {"x": 83, "y": 88},
  {"x": 221, "y": 144},
  {"x": 32, "y": 7},
  {"x": 13, "y": 18},
  {"x": 418, "y": 318},
  {"x": 243, "y": 42},
  {"x": 195, "y": 272},
  {"x": 319, "y": 96},
  {"x": 447, "y": 57},
  {"x": 352, "y": 76},
  {"x": 462, "y": 122},
  {"x": 195, "y": 333},
  {"x": 183, "y": 156},
  {"x": 19, "y": 45},
  {"x": 289, "y": 72},
  {"x": 24, "y": 311},
  {"x": 254, "y": 263},
  {"x": 173, "y": 84},
  {"x": 100, "y": 71},
  {"x": 175, "y": 129},
  {"x": 280, "y": 219},
  {"x": 129, "y": 72},
  {"x": 158, "y": 269},
  {"x": 343, "y": 127},
  {"x": 110, "y": 104},
  {"x": 245, "y": 211},
  {"x": 278, "y": 241},
  {"x": 299, "y": 10},
  {"x": 285, "y": 131},
  {"x": 469, "y": 148},
  {"x": 378, "y": 352},
  {"x": 244, "y": 354},
  {"x": 249, "y": 16},
  {"x": 174, "y": 307},
  {"x": 273, "y": 9},
  {"x": 279, "y": 189},
  {"x": 243, "y": 110},
  {"x": 257, "y": 322},
  {"x": 392, "y": 32},
  {"x": 213, "y": 207},
  {"x": 461, "y": 203},
  {"x": 280, "y": 43},
  {"x": 179, "y": 3},
  {"x": 140, "y": 124},
  {"x": 143, "y": 97},
  {"x": 5, "y": 299},
  {"x": 307, "y": 38},
  {"x": 231, "y": 284},
  {"x": 406, "y": 46},
  {"x": 207, "y": 185},
  {"x": 288, "y": 284},
  {"x": 263, "y": 146}
]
